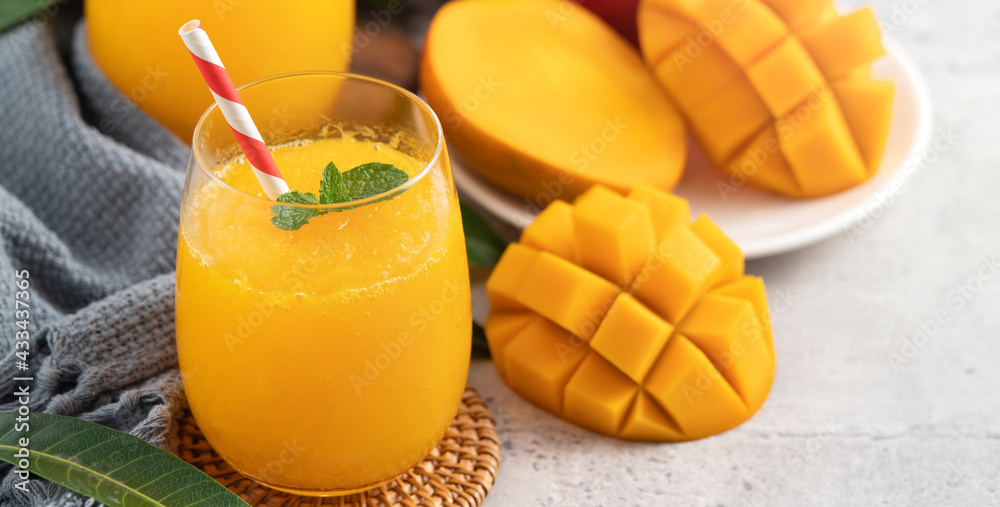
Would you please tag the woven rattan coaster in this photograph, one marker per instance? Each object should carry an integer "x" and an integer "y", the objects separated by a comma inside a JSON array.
[{"x": 459, "y": 471}]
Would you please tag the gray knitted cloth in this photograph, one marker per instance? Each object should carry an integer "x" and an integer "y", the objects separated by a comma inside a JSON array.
[{"x": 90, "y": 189}]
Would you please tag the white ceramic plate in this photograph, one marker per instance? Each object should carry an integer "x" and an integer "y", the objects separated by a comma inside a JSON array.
[{"x": 760, "y": 223}]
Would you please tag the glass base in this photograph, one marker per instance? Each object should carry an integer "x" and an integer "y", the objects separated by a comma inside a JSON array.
[{"x": 316, "y": 492}]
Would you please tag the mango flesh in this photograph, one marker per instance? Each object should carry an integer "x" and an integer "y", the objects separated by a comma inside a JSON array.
[
  {"x": 636, "y": 323},
  {"x": 544, "y": 100},
  {"x": 777, "y": 92}
]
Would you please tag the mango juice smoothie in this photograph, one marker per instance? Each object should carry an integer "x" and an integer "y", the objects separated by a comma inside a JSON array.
[{"x": 331, "y": 358}]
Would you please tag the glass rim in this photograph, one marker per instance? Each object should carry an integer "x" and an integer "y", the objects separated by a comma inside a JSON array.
[{"x": 431, "y": 163}]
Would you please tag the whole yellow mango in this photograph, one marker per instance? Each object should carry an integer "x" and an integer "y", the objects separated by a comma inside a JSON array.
[{"x": 137, "y": 46}]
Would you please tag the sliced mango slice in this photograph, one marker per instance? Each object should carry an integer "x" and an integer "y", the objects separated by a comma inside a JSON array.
[
  {"x": 544, "y": 99},
  {"x": 748, "y": 81},
  {"x": 681, "y": 352}
]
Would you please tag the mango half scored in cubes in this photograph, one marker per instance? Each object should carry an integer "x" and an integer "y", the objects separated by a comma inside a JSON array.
[
  {"x": 777, "y": 92},
  {"x": 621, "y": 315}
]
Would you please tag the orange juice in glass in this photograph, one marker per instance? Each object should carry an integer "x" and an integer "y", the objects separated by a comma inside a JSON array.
[{"x": 331, "y": 358}]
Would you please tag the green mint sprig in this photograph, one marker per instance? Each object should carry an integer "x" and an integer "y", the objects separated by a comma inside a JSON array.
[{"x": 361, "y": 182}]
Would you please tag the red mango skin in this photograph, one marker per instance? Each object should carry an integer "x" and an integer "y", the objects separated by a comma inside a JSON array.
[{"x": 620, "y": 14}]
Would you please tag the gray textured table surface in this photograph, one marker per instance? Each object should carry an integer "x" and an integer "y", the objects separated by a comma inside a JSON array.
[{"x": 864, "y": 409}]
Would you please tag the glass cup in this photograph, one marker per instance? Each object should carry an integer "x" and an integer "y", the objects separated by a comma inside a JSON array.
[{"x": 329, "y": 359}]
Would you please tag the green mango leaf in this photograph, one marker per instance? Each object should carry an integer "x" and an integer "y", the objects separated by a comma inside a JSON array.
[
  {"x": 113, "y": 467},
  {"x": 479, "y": 346},
  {"x": 482, "y": 244},
  {"x": 13, "y": 12}
]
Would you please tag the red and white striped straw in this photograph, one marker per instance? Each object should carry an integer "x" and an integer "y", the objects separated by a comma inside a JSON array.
[{"x": 232, "y": 108}]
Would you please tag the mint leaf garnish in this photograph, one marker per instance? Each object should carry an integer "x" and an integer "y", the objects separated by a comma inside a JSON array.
[
  {"x": 290, "y": 218},
  {"x": 331, "y": 186},
  {"x": 361, "y": 182},
  {"x": 371, "y": 179}
]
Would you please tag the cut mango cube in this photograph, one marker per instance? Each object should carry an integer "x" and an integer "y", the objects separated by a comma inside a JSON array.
[
  {"x": 801, "y": 14},
  {"x": 727, "y": 329},
  {"x": 612, "y": 235},
  {"x": 762, "y": 165},
  {"x": 689, "y": 387},
  {"x": 682, "y": 352},
  {"x": 540, "y": 361},
  {"x": 820, "y": 149},
  {"x": 729, "y": 254},
  {"x": 845, "y": 42},
  {"x": 757, "y": 65},
  {"x": 504, "y": 327},
  {"x": 785, "y": 76},
  {"x": 666, "y": 210},
  {"x": 693, "y": 80},
  {"x": 648, "y": 421},
  {"x": 566, "y": 294},
  {"x": 724, "y": 123},
  {"x": 859, "y": 72},
  {"x": 511, "y": 270},
  {"x": 598, "y": 396},
  {"x": 693, "y": 9},
  {"x": 751, "y": 288},
  {"x": 867, "y": 107},
  {"x": 671, "y": 30},
  {"x": 686, "y": 265},
  {"x": 552, "y": 230},
  {"x": 631, "y": 337},
  {"x": 753, "y": 30}
]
